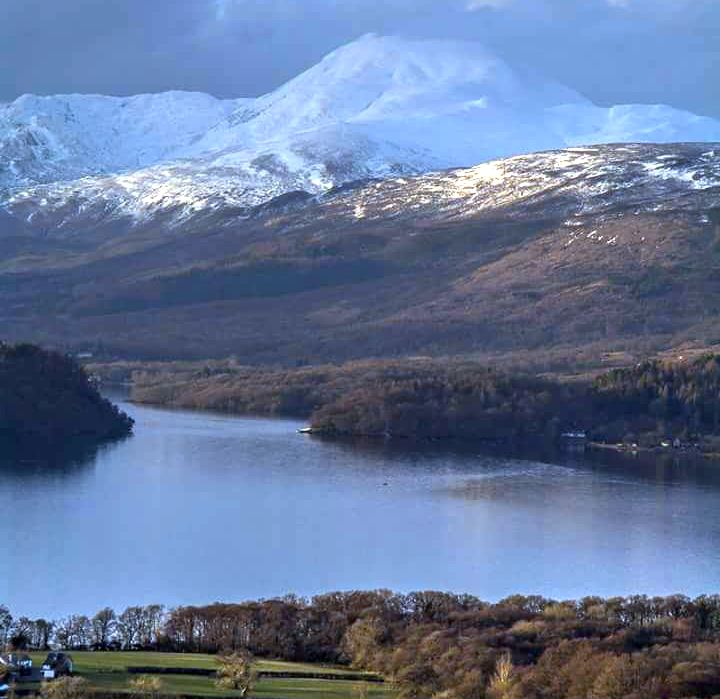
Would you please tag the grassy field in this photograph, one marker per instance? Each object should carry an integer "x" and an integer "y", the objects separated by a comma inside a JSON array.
[{"x": 108, "y": 671}]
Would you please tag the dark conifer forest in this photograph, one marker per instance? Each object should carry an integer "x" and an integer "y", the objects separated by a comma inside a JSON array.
[{"x": 46, "y": 398}]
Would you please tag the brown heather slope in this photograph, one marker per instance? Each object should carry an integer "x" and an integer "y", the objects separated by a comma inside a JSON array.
[{"x": 554, "y": 260}]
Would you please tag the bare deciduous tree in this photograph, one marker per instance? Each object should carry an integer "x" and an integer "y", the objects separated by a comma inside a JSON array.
[
  {"x": 6, "y": 622},
  {"x": 129, "y": 626},
  {"x": 103, "y": 625},
  {"x": 74, "y": 632},
  {"x": 503, "y": 684},
  {"x": 153, "y": 618},
  {"x": 235, "y": 671}
]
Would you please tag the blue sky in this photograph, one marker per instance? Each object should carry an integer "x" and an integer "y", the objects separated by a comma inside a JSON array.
[{"x": 611, "y": 50}]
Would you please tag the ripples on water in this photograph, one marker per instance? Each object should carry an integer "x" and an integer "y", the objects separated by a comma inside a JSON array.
[{"x": 198, "y": 507}]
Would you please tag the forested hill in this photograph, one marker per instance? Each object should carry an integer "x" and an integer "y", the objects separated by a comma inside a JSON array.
[
  {"x": 47, "y": 398},
  {"x": 649, "y": 403}
]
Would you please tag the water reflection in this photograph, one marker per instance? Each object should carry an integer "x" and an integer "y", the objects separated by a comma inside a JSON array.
[
  {"x": 33, "y": 462},
  {"x": 657, "y": 467}
]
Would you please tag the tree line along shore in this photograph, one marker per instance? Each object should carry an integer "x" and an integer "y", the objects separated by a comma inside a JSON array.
[
  {"x": 648, "y": 405},
  {"x": 46, "y": 397},
  {"x": 428, "y": 644}
]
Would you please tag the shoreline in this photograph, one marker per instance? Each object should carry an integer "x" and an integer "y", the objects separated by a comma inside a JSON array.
[
  {"x": 537, "y": 445},
  {"x": 426, "y": 403},
  {"x": 634, "y": 451}
]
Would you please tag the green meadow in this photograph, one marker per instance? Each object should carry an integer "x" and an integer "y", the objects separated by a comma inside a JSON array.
[{"x": 108, "y": 671}]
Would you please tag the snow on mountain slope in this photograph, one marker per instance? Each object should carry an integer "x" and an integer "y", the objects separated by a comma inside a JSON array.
[
  {"x": 378, "y": 107},
  {"x": 380, "y": 82},
  {"x": 232, "y": 180},
  {"x": 574, "y": 184},
  {"x": 631, "y": 123},
  {"x": 60, "y": 137}
]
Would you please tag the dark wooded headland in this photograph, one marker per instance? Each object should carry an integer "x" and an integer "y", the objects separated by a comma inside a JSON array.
[
  {"x": 47, "y": 399},
  {"x": 435, "y": 644},
  {"x": 646, "y": 404}
]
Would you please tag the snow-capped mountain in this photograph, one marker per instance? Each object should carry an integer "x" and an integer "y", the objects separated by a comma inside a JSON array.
[
  {"x": 378, "y": 107},
  {"x": 43, "y": 139}
]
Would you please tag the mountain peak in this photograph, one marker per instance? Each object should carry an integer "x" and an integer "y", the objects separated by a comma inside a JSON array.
[
  {"x": 376, "y": 77},
  {"x": 376, "y": 107},
  {"x": 424, "y": 96},
  {"x": 397, "y": 59}
]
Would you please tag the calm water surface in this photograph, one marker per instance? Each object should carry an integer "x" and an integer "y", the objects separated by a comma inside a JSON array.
[{"x": 196, "y": 508}]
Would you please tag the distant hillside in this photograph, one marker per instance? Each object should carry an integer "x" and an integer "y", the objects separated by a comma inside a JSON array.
[
  {"x": 647, "y": 404},
  {"x": 46, "y": 399},
  {"x": 560, "y": 259}
]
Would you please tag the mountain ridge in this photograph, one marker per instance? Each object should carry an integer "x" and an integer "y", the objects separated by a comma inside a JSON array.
[
  {"x": 378, "y": 107},
  {"x": 572, "y": 254}
]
